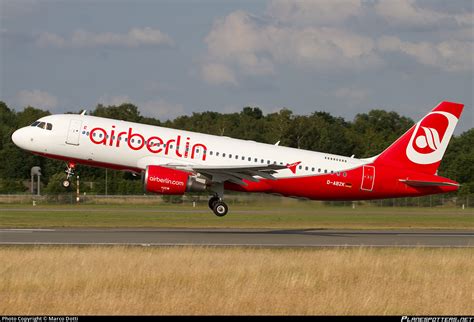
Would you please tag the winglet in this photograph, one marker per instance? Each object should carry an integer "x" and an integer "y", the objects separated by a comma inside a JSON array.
[{"x": 293, "y": 166}]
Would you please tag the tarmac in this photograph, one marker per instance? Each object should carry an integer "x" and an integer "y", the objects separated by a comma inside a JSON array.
[{"x": 239, "y": 237}]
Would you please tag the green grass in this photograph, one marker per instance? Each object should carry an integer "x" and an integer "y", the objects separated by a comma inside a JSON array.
[{"x": 273, "y": 215}]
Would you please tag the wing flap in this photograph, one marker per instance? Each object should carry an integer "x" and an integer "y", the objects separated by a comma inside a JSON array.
[{"x": 236, "y": 174}]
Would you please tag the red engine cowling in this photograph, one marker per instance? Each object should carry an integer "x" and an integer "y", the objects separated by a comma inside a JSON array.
[{"x": 168, "y": 181}]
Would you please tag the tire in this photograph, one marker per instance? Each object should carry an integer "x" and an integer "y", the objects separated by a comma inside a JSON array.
[
  {"x": 212, "y": 201},
  {"x": 220, "y": 209},
  {"x": 66, "y": 183}
]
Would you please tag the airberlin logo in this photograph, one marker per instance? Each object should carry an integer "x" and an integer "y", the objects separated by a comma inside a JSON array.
[
  {"x": 166, "y": 181},
  {"x": 431, "y": 137},
  {"x": 182, "y": 148}
]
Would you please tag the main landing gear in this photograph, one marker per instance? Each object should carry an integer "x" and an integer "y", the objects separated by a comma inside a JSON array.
[
  {"x": 70, "y": 172},
  {"x": 218, "y": 206}
]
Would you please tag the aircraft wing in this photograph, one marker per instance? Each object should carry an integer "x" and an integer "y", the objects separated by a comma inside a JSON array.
[{"x": 235, "y": 174}]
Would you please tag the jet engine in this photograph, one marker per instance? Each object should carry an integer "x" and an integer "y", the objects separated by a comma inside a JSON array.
[{"x": 168, "y": 181}]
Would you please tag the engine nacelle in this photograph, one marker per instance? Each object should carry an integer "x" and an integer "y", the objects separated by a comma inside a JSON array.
[{"x": 168, "y": 181}]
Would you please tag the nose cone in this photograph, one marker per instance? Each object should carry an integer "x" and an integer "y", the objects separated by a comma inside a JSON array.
[
  {"x": 19, "y": 137},
  {"x": 16, "y": 137}
]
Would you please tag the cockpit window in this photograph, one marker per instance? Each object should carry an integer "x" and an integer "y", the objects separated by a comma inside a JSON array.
[{"x": 43, "y": 125}]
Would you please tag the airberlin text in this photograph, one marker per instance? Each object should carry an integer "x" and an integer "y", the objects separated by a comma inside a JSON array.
[
  {"x": 166, "y": 181},
  {"x": 154, "y": 144}
]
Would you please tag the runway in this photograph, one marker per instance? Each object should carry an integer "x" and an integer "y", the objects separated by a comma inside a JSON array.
[{"x": 239, "y": 237}]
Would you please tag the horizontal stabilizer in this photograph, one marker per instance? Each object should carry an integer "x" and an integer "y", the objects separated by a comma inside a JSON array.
[{"x": 420, "y": 183}]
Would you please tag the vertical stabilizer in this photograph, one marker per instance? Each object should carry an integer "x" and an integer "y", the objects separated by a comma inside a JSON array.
[{"x": 422, "y": 147}]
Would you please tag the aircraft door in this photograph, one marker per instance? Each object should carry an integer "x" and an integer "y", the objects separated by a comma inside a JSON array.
[
  {"x": 368, "y": 178},
  {"x": 74, "y": 132}
]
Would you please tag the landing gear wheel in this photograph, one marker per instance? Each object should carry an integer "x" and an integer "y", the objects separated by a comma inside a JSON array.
[
  {"x": 220, "y": 208},
  {"x": 69, "y": 173},
  {"x": 212, "y": 201}
]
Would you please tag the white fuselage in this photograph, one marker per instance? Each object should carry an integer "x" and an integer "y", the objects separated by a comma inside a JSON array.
[{"x": 134, "y": 146}]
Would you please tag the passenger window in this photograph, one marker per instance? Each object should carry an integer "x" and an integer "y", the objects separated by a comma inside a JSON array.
[
  {"x": 217, "y": 154},
  {"x": 223, "y": 155},
  {"x": 243, "y": 158}
]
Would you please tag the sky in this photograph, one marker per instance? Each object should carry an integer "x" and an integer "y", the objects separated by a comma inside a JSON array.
[{"x": 173, "y": 58}]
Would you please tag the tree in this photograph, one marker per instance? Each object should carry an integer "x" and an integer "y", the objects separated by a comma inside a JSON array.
[
  {"x": 367, "y": 135},
  {"x": 458, "y": 162},
  {"x": 29, "y": 115},
  {"x": 124, "y": 112},
  {"x": 375, "y": 131}
]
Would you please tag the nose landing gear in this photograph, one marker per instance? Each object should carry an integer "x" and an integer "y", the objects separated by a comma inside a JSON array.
[{"x": 69, "y": 173}]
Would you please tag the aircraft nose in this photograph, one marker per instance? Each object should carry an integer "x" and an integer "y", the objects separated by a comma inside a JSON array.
[
  {"x": 16, "y": 137},
  {"x": 19, "y": 138}
]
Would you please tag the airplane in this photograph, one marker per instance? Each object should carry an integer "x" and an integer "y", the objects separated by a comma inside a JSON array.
[{"x": 174, "y": 162}]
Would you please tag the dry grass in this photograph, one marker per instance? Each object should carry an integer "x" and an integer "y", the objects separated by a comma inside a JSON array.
[{"x": 199, "y": 280}]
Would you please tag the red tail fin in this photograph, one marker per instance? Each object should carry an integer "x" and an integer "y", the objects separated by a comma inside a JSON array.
[{"x": 422, "y": 147}]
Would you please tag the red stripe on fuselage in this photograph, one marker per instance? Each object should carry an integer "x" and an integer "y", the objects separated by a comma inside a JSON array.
[{"x": 339, "y": 187}]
